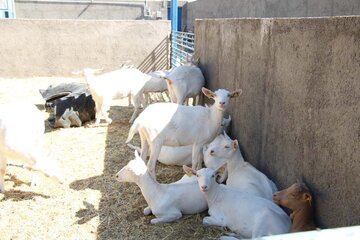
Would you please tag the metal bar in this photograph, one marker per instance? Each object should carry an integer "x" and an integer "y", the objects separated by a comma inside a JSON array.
[
  {"x": 188, "y": 47},
  {"x": 174, "y": 15},
  {"x": 182, "y": 46}
]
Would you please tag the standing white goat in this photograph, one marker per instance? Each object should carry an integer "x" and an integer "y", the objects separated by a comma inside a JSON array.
[
  {"x": 185, "y": 82},
  {"x": 241, "y": 174},
  {"x": 21, "y": 132},
  {"x": 117, "y": 84},
  {"x": 245, "y": 214},
  {"x": 168, "y": 202},
  {"x": 171, "y": 124},
  {"x": 156, "y": 84},
  {"x": 180, "y": 155}
]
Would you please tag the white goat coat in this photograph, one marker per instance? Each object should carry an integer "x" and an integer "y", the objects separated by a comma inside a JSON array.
[
  {"x": 187, "y": 82},
  {"x": 245, "y": 177},
  {"x": 156, "y": 83},
  {"x": 180, "y": 155},
  {"x": 21, "y": 133},
  {"x": 168, "y": 202},
  {"x": 246, "y": 214},
  {"x": 176, "y": 125},
  {"x": 172, "y": 155},
  {"x": 241, "y": 175},
  {"x": 172, "y": 124},
  {"x": 116, "y": 85}
]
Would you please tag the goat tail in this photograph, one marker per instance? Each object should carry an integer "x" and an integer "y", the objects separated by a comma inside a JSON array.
[{"x": 134, "y": 129}]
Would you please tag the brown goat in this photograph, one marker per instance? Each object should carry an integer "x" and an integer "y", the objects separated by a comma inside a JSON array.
[{"x": 297, "y": 198}]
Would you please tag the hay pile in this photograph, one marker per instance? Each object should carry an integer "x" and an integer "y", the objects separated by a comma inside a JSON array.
[{"x": 91, "y": 204}]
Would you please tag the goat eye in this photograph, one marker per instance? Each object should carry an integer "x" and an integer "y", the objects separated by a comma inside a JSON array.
[
  {"x": 197, "y": 175},
  {"x": 227, "y": 147},
  {"x": 213, "y": 176}
]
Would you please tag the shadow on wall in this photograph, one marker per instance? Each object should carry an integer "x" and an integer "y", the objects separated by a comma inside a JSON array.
[{"x": 158, "y": 59}]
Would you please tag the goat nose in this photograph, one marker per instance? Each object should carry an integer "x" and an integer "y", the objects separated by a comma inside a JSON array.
[
  {"x": 212, "y": 152},
  {"x": 203, "y": 187}
]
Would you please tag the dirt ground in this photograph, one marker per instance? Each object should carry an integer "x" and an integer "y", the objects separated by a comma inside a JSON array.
[{"x": 91, "y": 204}]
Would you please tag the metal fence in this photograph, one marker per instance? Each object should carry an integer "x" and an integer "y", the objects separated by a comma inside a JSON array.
[{"x": 182, "y": 47}]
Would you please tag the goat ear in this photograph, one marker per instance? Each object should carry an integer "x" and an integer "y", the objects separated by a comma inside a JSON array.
[
  {"x": 169, "y": 81},
  {"x": 208, "y": 93},
  {"x": 307, "y": 197},
  {"x": 235, "y": 144},
  {"x": 228, "y": 120},
  {"x": 236, "y": 93},
  {"x": 221, "y": 170},
  {"x": 189, "y": 171},
  {"x": 226, "y": 136}
]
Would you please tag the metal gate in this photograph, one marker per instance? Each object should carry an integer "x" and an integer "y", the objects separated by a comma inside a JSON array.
[{"x": 182, "y": 47}]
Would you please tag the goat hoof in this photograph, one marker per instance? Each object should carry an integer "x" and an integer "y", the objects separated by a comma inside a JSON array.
[
  {"x": 154, "y": 221},
  {"x": 147, "y": 211}
]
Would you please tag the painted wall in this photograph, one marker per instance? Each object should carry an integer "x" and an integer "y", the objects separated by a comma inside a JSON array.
[
  {"x": 86, "y": 9},
  {"x": 58, "y": 47},
  {"x": 299, "y": 114},
  {"x": 199, "y": 9}
]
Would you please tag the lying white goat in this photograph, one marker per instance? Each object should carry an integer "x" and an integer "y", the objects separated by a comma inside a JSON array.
[
  {"x": 179, "y": 155},
  {"x": 21, "y": 133},
  {"x": 185, "y": 82},
  {"x": 171, "y": 124},
  {"x": 245, "y": 214},
  {"x": 241, "y": 175},
  {"x": 117, "y": 84},
  {"x": 168, "y": 202}
]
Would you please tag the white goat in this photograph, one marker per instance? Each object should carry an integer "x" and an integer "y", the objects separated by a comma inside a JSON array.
[
  {"x": 179, "y": 155},
  {"x": 156, "y": 84},
  {"x": 171, "y": 124},
  {"x": 241, "y": 175},
  {"x": 185, "y": 82},
  {"x": 168, "y": 202},
  {"x": 117, "y": 84},
  {"x": 21, "y": 132},
  {"x": 245, "y": 214}
]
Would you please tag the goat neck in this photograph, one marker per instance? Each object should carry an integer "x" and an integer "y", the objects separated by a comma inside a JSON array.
[
  {"x": 302, "y": 219},
  {"x": 236, "y": 160},
  {"x": 149, "y": 187},
  {"x": 216, "y": 118},
  {"x": 214, "y": 195}
]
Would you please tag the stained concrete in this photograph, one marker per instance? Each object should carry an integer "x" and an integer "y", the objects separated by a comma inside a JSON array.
[
  {"x": 58, "y": 47},
  {"x": 299, "y": 114},
  {"x": 199, "y": 9},
  {"x": 86, "y": 9}
]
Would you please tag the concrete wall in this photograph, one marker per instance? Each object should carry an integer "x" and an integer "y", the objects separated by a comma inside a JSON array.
[
  {"x": 57, "y": 47},
  {"x": 299, "y": 114},
  {"x": 86, "y": 9},
  {"x": 198, "y": 9}
]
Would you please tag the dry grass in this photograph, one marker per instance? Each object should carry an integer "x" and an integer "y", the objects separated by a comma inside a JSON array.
[{"x": 91, "y": 204}]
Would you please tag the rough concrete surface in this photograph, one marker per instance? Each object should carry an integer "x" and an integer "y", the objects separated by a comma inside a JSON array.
[
  {"x": 58, "y": 47},
  {"x": 88, "y": 9},
  {"x": 267, "y": 9},
  {"x": 299, "y": 114}
]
